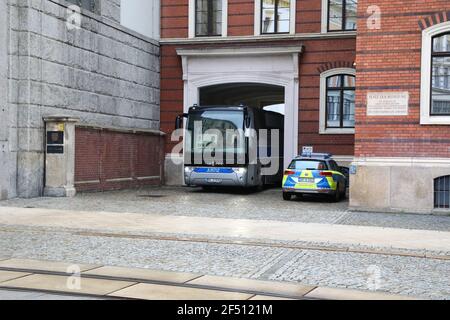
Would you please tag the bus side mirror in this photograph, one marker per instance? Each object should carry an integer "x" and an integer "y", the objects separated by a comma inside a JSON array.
[{"x": 179, "y": 120}]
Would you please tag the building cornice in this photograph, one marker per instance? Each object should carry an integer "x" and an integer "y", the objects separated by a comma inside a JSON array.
[
  {"x": 240, "y": 51},
  {"x": 261, "y": 38}
]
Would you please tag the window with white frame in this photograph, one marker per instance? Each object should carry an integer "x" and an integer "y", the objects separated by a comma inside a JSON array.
[
  {"x": 435, "y": 75},
  {"x": 339, "y": 15},
  {"x": 274, "y": 17},
  {"x": 208, "y": 18},
  {"x": 440, "y": 75},
  {"x": 337, "y": 101}
]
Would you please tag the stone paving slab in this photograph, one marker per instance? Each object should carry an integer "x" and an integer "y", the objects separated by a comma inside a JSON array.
[
  {"x": 10, "y": 275},
  {"x": 347, "y": 294},
  {"x": 269, "y": 287},
  {"x": 33, "y": 295},
  {"x": 143, "y": 274},
  {"x": 55, "y": 266},
  {"x": 205, "y": 287},
  {"x": 164, "y": 292},
  {"x": 60, "y": 284},
  {"x": 250, "y": 229}
]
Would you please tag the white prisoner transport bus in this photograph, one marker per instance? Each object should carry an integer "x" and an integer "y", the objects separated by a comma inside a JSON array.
[{"x": 251, "y": 157}]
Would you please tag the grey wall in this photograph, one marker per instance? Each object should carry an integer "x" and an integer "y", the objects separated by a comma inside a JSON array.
[
  {"x": 7, "y": 154},
  {"x": 102, "y": 73}
]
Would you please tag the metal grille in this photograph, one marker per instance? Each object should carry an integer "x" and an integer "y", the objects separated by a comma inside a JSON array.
[{"x": 442, "y": 192}]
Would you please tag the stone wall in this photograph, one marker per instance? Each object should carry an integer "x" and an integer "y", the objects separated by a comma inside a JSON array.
[{"x": 102, "y": 73}]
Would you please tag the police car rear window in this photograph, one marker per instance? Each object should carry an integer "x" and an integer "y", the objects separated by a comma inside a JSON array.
[{"x": 308, "y": 165}]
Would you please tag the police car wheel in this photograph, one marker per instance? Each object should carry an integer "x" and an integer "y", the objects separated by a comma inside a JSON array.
[
  {"x": 337, "y": 194},
  {"x": 287, "y": 196}
]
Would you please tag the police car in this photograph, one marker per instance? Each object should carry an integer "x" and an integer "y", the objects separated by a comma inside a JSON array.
[{"x": 315, "y": 173}]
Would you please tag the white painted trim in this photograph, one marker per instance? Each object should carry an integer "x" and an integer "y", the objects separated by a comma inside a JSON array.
[
  {"x": 239, "y": 51},
  {"x": 257, "y": 18},
  {"x": 401, "y": 162},
  {"x": 191, "y": 31},
  {"x": 323, "y": 101},
  {"x": 425, "y": 92},
  {"x": 324, "y": 21}
]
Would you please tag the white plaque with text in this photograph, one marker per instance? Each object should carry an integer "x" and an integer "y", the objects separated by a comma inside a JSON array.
[{"x": 387, "y": 103}]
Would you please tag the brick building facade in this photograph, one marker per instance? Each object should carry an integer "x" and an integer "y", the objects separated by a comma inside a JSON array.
[
  {"x": 402, "y": 160},
  {"x": 250, "y": 50},
  {"x": 398, "y": 148}
]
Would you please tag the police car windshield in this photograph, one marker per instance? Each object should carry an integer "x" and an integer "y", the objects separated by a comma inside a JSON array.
[{"x": 308, "y": 165}]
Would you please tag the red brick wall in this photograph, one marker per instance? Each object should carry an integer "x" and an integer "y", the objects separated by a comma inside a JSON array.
[
  {"x": 389, "y": 59},
  {"x": 309, "y": 16},
  {"x": 101, "y": 155},
  {"x": 241, "y": 17},
  {"x": 241, "y": 13},
  {"x": 174, "y": 18},
  {"x": 318, "y": 54}
]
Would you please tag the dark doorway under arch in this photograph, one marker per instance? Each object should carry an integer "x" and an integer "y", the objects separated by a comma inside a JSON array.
[{"x": 265, "y": 96}]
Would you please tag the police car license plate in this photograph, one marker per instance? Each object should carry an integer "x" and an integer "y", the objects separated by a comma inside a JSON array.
[{"x": 306, "y": 180}]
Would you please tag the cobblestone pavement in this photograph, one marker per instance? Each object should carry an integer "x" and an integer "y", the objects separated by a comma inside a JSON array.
[
  {"x": 267, "y": 205},
  {"x": 394, "y": 274}
]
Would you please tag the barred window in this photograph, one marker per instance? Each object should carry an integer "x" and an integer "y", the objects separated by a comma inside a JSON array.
[
  {"x": 440, "y": 79},
  {"x": 208, "y": 17},
  {"x": 91, "y": 5},
  {"x": 442, "y": 192},
  {"x": 342, "y": 15}
]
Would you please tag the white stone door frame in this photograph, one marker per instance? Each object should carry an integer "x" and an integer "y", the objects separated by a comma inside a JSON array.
[{"x": 268, "y": 65}]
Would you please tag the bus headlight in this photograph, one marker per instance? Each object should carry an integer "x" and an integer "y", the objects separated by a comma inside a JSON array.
[
  {"x": 240, "y": 171},
  {"x": 188, "y": 169}
]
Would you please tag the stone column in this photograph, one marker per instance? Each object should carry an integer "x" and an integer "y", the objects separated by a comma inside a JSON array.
[{"x": 60, "y": 156}]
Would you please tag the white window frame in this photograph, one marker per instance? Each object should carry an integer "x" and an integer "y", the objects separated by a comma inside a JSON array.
[
  {"x": 191, "y": 32},
  {"x": 324, "y": 23},
  {"x": 323, "y": 101},
  {"x": 425, "y": 89},
  {"x": 257, "y": 21}
]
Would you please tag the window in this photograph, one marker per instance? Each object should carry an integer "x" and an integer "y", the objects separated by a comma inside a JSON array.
[
  {"x": 435, "y": 75},
  {"x": 341, "y": 15},
  {"x": 337, "y": 101},
  {"x": 275, "y": 16},
  {"x": 208, "y": 17},
  {"x": 440, "y": 79},
  {"x": 442, "y": 192},
  {"x": 91, "y": 5},
  {"x": 340, "y": 99}
]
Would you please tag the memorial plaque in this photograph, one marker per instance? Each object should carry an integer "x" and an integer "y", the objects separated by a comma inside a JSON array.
[{"x": 387, "y": 103}]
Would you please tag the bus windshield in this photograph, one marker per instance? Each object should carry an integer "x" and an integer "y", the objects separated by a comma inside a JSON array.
[{"x": 218, "y": 131}]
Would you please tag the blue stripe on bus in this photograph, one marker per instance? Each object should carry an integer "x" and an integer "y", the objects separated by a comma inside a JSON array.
[{"x": 213, "y": 170}]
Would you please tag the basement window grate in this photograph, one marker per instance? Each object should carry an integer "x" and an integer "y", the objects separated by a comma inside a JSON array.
[{"x": 442, "y": 192}]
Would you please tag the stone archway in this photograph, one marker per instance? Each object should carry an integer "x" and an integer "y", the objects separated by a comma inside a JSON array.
[{"x": 276, "y": 66}]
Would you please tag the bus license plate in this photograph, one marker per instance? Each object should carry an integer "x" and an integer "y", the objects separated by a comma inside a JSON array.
[{"x": 214, "y": 180}]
